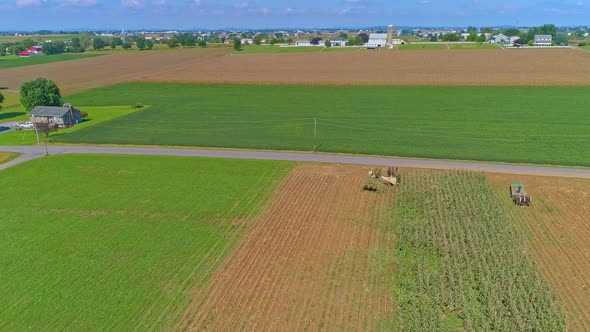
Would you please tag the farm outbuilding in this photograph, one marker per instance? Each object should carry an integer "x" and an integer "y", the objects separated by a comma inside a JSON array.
[
  {"x": 377, "y": 40},
  {"x": 64, "y": 116}
]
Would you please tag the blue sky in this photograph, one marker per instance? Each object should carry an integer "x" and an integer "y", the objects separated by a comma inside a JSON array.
[{"x": 188, "y": 14}]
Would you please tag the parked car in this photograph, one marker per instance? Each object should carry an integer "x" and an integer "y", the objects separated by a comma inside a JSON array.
[{"x": 25, "y": 125}]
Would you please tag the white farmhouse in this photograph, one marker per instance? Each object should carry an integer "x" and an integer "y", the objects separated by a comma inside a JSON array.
[
  {"x": 247, "y": 41},
  {"x": 542, "y": 40},
  {"x": 377, "y": 40},
  {"x": 303, "y": 43},
  {"x": 338, "y": 42}
]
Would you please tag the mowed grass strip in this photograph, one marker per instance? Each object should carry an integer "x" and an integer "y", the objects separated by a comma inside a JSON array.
[
  {"x": 120, "y": 242},
  {"x": 15, "y": 61},
  {"x": 462, "y": 265},
  {"x": 545, "y": 125},
  {"x": 7, "y": 156}
]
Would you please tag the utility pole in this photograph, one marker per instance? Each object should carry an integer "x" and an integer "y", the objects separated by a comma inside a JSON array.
[
  {"x": 35, "y": 126},
  {"x": 315, "y": 133}
]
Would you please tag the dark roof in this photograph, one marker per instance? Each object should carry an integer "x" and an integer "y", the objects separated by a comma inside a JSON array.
[{"x": 49, "y": 111}]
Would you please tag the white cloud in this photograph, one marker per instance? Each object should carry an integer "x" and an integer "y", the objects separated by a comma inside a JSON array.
[
  {"x": 131, "y": 3},
  {"x": 261, "y": 11},
  {"x": 78, "y": 3},
  {"x": 28, "y": 3},
  {"x": 292, "y": 11}
]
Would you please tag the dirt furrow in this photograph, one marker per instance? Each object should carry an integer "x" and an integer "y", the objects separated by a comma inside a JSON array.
[{"x": 311, "y": 249}]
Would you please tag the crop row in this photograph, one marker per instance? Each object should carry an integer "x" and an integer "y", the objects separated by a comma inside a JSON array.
[{"x": 462, "y": 264}]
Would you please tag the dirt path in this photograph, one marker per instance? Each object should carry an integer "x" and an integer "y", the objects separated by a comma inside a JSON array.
[
  {"x": 319, "y": 258},
  {"x": 557, "y": 229}
]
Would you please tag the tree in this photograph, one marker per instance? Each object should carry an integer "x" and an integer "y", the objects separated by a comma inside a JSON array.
[
  {"x": 364, "y": 37},
  {"x": 257, "y": 40},
  {"x": 471, "y": 29},
  {"x": 187, "y": 40},
  {"x": 202, "y": 43},
  {"x": 27, "y": 43},
  {"x": 343, "y": 35},
  {"x": 481, "y": 38},
  {"x": 98, "y": 43},
  {"x": 57, "y": 47},
  {"x": 172, "y": 42},
  {"x": 149, "y": 44},
  {"x": 511, "y": 32},
  {"x": 451, "y": 37},
  {"x": 39, "y": 92},
  {"x": 328, "y": 43},
  {"x": 1, "y": 100},
  {"x": 237, "y": 44},
  {"x": 315, "y": 41},
  {"x": 126, "y": 45},
  {"x": 140, "y": 43},
  {"x": 116, "y": 41},
  {"x": 472, "y": 37},
  {"x": 76, "y": 42}
]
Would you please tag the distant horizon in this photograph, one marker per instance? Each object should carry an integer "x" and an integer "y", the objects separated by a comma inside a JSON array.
[
  {"x": 93, "y": 15},
  {"x": 252, "y": 29}
]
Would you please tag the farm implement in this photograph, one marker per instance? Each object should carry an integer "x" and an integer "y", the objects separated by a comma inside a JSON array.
[{"x": 519, "y": 195}]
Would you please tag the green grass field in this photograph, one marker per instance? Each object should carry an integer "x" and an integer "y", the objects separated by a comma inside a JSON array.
[
  {"x": 96, "y": 115},
  {"x": 120, "y": 243},
  {"x": 15, "y": 61},
  {"x": 547, "y": 125},
  {"x": 274, "y": 49},
  {"x": 37, "y": 38},
  {"x": 587, "y": 47}
]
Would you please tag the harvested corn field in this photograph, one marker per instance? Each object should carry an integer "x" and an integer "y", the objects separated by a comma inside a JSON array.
[
  {"x": 557, "y": 230},
  {"x": 319, "y": 258},
  {"x": 448, "y": 67}
]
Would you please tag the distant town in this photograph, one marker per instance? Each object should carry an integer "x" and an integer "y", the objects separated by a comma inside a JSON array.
[{"x": 55, "y": 42}]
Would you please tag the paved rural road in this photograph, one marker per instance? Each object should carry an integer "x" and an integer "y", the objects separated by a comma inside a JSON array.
[{"x": 32, "y": 152}]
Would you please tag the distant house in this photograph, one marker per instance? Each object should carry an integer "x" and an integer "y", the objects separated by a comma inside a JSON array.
[
  {"x": 513, "y": 39},
  {"x": 542, "y": 40},
  {"x": 32, "y": 51},
  {"x": 338, "y": 42},
  {"x": 398, "y": 42},
  {"x": 248, "y": 41},
  {"x": 303, "y": 43},
  {"x": 377, "y": 40},
  {"x": 64, "y": 116},
  {"x": 500, "y": 38}
]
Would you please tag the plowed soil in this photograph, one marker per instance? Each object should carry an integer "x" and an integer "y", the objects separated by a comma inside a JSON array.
[
  {"x": 449, "y": 67},
  {"x": 557, "y": 228},
  {"x": 319, "y": 258}
]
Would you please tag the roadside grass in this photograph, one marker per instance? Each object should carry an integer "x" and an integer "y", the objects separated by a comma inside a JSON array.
[
  {"x": 93, "y": 242},
  {"x": 476, "y": 46},
  {"x": 537, "y": 125},
  {"x": 587, "y": 47},
  {"x": 15, "y": 61},
  {"x": 7, "y": 156},
  {"x": 97, "y": 115},
  {"x": 415, "y": 47}
]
